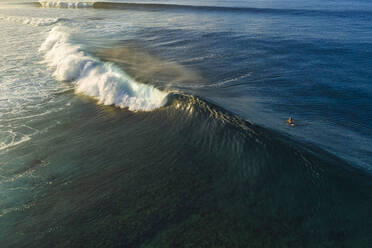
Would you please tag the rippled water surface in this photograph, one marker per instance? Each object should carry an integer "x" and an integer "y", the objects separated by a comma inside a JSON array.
[{"x": 163, "y": 123}]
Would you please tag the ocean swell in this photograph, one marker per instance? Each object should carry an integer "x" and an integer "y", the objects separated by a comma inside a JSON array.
[
  {"x": 169, "y": 6},
  {"x": 104, "y": 81}
]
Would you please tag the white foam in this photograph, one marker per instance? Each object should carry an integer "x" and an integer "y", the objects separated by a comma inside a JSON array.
[
  {"x": 9, "y": 139},
  {"x": 31, "y": 20},
  {"x": 65, "y": 4},
  {"x": 101, "y": 80}
]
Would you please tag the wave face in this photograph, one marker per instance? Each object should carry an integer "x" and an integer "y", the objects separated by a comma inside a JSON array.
[
  {"x": 196, "y": 169},
  {"x": 103, "y": 81}
]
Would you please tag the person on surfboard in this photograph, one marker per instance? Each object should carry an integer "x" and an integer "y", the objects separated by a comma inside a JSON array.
[{"x": 290, "y": 121}]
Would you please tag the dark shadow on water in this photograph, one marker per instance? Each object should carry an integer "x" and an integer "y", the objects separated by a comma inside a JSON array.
[{"x": 186, "y": 175}]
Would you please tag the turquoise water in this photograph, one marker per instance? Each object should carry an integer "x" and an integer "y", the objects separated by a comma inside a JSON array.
[{"x": 164, "y": 124}]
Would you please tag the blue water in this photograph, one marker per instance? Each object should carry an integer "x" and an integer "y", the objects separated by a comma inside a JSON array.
[
  {"x": 268, "y": 60},
  {"x": 164, "y": 123}
]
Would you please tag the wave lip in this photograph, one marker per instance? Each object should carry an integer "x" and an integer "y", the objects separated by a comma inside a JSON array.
[
  {"x": 65, "y": 4},
  {"x": 102, "y": 80}
]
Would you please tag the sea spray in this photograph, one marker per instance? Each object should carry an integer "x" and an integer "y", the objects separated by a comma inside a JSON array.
[{"x": 104, "y": 81}]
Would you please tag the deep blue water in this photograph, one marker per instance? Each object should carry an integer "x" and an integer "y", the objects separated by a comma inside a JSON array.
[{"x": 268, "y": 60}]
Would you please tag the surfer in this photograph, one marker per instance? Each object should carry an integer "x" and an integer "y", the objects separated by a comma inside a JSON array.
[{"x": 290, "y": 121}]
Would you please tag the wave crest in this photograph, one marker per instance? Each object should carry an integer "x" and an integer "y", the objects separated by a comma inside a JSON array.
[
  {"x": 34, "y": 21},
  {"x": 101, "y": 80},
  {"x": 65, "y": 4}
]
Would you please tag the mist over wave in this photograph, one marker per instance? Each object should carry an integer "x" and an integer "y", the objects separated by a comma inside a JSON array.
[{"x": 101, "y": 80}]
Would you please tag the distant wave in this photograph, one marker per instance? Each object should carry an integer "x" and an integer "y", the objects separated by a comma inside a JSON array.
[
  {"x": 163, "y": 6},
  {"x": 65, "y": 4},
  {"x": 101, "y": 80},
  {"x": 34, "y": 21}
]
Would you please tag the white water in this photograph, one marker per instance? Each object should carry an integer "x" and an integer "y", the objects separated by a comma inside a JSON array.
[
  {"x": 9, "y": 139},
  {"x": 104, "y": 81},
  {"x": 65, "y": 4},
  {"x": 27, "y": 87},
  {"x": 34, "y": 21}
]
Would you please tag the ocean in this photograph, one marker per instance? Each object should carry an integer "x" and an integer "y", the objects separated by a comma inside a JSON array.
[{"x": 164, "y": 123}]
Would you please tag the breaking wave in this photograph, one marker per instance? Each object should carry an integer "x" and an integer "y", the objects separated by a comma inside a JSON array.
[
  {"x": 65, "y": 4},
  {"x": 34, "y": 21},
  {"x": 102, "y": 80}
]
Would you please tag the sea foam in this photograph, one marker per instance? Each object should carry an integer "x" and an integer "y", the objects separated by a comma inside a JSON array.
[
  {"x": 9, "y": 139},
  {"x": 65, "y": 4},
  {"x": 102, "y": 80},
  {"x": 34, "y": 21}
]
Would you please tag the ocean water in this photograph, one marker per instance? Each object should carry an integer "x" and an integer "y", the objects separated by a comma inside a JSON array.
[{"x": 164, "y": 123}]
